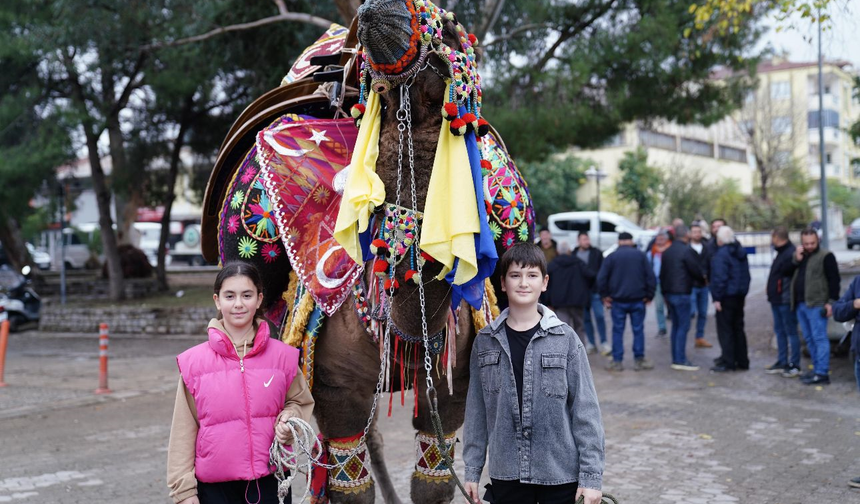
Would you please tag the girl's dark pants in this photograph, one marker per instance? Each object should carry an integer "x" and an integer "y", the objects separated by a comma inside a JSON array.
[
  {"x": 241, "y": 492},
  {"x": 515, "y": 492}
]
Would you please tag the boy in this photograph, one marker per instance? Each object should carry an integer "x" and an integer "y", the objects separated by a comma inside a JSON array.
[{"x": 531, "y": 399}]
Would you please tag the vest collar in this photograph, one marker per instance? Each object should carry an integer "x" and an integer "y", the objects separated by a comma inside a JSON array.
[{"x": 222, "y": 345}]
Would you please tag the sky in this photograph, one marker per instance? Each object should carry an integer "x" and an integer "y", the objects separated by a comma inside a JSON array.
[{"x": 841, "y": 41}]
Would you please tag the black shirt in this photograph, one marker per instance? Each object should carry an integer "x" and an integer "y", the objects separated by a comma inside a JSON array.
[{"x": 518, "y": 341}]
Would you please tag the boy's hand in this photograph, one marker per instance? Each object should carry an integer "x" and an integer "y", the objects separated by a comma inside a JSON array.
[
  {"x": 718, "y": 306},
  {"x": 472, "y": 490},
  {"x": 607, "y": 302},
  {"x": 282, "y": 432},
  {"x": 857, "y": 304},
  {"x": 191, "y": 500},
  {"x": 591, "y": 496}
]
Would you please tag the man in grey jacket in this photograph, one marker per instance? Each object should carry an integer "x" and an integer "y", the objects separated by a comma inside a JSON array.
[{"x": 531, "y": 400}]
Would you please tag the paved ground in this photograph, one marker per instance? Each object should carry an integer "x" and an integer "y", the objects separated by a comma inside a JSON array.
[{"x": 671, "y": 436}]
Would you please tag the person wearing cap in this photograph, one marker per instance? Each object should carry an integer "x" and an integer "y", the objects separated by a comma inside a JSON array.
[
  {"x": 680, "y": 269},
  {"x": 626, "y": 283}
]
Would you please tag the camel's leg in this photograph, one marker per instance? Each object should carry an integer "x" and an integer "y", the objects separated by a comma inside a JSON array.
[
  {"x": 380, "y": 470},
  {"x": 346, "y": 369},
  {"x": 439, "y": 488}
]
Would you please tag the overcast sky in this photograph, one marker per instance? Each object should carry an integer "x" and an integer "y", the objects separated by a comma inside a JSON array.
[{"x": 841, "y": 41}]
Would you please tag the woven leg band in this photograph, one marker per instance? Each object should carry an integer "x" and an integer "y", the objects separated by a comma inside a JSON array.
[
  {"x": 430, "y": 465},
  {"x": 353, "y": 475}
]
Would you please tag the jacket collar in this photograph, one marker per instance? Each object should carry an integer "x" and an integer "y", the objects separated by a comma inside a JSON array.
[
  {"x": 549, "y": 322},
  {"x": 222, "y": 345}
]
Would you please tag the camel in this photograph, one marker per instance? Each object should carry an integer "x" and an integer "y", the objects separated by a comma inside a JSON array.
[{"x": 346, "y": 360}]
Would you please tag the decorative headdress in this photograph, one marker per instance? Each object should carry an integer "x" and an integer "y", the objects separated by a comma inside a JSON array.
[{"x": 400, "y": 35}]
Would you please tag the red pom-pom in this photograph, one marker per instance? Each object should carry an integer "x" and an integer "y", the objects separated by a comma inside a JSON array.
[
  {"x": 471, "y": 121},
  {"x": 458, "y": 127},
  {"x": 473, "y": 39},
  {"x": 357, "y": 110},
  {"x": 486, "y": 165},
  {"x": 449, "y": 111},
  {"x": 483, "y": 127},
  {"x": 380, "y": 266},
  {"x": 412, "y": 276},
  {"x": 388, "y": 284},
  {"x": 378, "y": 246},
  {"x": 427, "y": 257}
]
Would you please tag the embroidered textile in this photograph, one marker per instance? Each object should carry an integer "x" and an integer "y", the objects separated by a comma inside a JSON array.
[
  {"x": 298, "y": 164},
  {"x": 430, "y": 465},
  {"x": 331, "y": 42},
  {"x": 352, "y": 475}
]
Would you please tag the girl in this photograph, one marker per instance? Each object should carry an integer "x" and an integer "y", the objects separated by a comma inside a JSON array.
[{"x": 235, "y": 394}]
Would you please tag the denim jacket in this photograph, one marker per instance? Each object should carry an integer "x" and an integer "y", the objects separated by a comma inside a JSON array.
[{"x": 559, "y": 436}]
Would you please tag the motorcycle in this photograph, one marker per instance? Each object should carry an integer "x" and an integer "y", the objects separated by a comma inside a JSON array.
[{"x": 17, "y": 297}]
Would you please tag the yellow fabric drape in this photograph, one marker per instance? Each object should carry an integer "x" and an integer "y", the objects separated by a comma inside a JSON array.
[
  {"x": 451, "y": 210},
  {"x": 364, "y": 189}
]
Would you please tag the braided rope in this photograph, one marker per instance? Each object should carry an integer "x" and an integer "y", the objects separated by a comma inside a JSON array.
[{"x": 288, "y": 460}]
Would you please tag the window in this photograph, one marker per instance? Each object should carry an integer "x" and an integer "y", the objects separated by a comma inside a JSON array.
[
  {"x": 781, "y": 125},
  {"x": 697, "y": 147},
  {"x": 660, "y": 140},
  {"x": 733, "y": 154},
  {"x": 831, "y": 119},
  {"x": 607, "y": 227},
  {"x": 749, "y": 97},
  {"x": 574, "y": 225},
  {"x": 780, "y": 90},
  {"x": 616, "y": 141}
]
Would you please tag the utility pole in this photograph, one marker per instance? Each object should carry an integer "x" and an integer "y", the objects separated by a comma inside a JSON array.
[{"x": 825, "y": 228}]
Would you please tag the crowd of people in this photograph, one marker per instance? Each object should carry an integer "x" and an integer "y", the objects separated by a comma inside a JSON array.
[{"x": 681, "y": 271}]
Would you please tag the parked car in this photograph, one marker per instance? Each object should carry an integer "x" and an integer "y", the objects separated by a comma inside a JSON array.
[
  {"x": 77, "y": 251},
  {"x": 187, "y": 247},
  {"x": 852, "y": 234},
  {"x": 567, "y": 226},
  {"x": 41, "y": 259},
  {"x": 150, "y": 238}
]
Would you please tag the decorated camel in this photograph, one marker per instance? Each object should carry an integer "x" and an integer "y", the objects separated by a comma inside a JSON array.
[{"x": 377, "y": 233}]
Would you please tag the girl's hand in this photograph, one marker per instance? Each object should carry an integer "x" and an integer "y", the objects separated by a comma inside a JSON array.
[
  {"x": 472, "y": 490},
  {"x": 191, "y": 500},
  {"x": 282, "y": 431},
  {"x": 591, "y": 496}
]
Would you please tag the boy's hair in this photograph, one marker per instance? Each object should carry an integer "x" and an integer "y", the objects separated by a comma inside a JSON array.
[
  {"x": 243, "y": 269},
  {"x": 524, "y": 254}
]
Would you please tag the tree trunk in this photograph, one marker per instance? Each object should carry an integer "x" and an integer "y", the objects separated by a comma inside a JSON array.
[
  {"x": 175, "y": 160},
  {"x": 347, "y": 10},
  {"x": 109, "y": 242},
  {"x": 126, "y": 205},
  {"x": 13, "y": 244}
]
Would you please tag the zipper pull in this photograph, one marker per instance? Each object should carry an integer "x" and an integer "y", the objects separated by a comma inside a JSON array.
[{"x": 242, "y": 365}]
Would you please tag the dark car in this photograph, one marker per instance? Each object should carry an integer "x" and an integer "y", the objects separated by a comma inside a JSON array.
[{"x": 853, "y": 234}]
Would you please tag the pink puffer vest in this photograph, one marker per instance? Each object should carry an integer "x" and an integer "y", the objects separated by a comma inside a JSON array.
[{"x": 237, "y": 403}]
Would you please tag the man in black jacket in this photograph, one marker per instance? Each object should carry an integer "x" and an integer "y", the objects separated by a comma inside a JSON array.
[
  {"x": 569, "y": 289},
  {"x": 627, "y": 283},
  {"x": 700, "y": 289},
  {"x": 679, "y": 270},
  {"x": 593, "y": 257},
  {"x": 779, "y": 297}
]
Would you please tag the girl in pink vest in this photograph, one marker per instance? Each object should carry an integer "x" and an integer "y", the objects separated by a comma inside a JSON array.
[{"x": 236, "y": 392}]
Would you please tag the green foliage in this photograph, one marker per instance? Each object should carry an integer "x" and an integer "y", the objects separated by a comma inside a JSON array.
[
  {"x": 571, "y": 73},
  {"x": 553, "y": 184},
  {"x": 640, "y": 184},
  {"x": 846, "y": 198}
]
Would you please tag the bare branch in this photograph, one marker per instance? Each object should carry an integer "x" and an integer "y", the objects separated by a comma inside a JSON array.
[
  {"x": 572, "y": 31},
  {"x": 282, "y": 7},
  {"x": 492, "y": 10},
  {"x": 289, "y": 16},
  {"x": 513, "y": 33}
]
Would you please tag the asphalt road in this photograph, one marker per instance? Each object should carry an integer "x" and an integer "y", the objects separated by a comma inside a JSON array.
[{"x": 673, "y": 437}]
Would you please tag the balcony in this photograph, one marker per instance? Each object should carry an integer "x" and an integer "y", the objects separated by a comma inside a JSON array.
[
  {"x": 831, "y": 170},
  {"x": 831, "y": 101},
  {"x": 831, "y": 136}
]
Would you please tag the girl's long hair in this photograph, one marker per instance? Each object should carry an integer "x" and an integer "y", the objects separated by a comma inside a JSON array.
[{"x": 240, "y": 269}]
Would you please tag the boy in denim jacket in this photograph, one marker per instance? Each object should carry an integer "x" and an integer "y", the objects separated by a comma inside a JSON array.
[{"x": 531, "y": 399}]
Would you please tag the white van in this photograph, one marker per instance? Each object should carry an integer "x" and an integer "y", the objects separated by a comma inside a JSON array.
[
  {"x": 567, "y": 226},
  {"x": 150, "y": 238}
]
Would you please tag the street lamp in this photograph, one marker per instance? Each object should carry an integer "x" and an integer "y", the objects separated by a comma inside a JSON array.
[{"x": 597, "y": 174}]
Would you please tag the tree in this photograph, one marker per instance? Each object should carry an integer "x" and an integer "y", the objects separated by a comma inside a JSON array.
[
  {"x": 553, "y": 184},
  {"x": 640, "y": 184},
  {"x": 32, "y": 141},
  {"x": 572, "y": 73},
  {"x": 845, "y": 198},
  {"x": 767, "y": 126}
]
